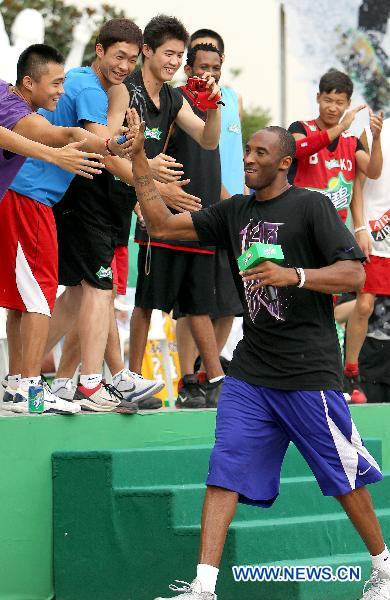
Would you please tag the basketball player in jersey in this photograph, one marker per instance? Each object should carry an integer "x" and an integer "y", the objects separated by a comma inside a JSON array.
[{"x": 329, "y": 158}]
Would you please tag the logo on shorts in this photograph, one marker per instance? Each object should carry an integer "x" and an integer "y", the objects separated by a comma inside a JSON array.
[
  {"x": 380, "y": 228},
  {"x": 104, "y": 273},
  {"x": 152, "y": 134}
]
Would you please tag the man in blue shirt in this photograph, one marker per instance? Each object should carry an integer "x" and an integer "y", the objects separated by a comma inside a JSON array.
[{"x": 88, "y": 92}]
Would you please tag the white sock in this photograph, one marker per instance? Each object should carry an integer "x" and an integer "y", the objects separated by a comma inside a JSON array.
[
  {"x": 14, "y": 381},
  {"x": 214, "y": 379},
  {"x": 91, "y": 381},
  {"x": 58, "y": 383},
  {"x": 207, "y": 576},
  {"x": 25, "y": 382},
  {"x": 382, "y": 561}
]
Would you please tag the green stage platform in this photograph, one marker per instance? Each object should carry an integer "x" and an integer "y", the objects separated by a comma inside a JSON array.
[{"x": 26, "y": 448}]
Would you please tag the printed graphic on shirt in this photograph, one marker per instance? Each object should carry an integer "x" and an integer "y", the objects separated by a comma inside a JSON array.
[
  {"x": 104, "y": 273},
  {"x": 339, "y": 189},
  {"x": 380, "y": 228},
  {"x": 267, "y": 233},
  {"x": 152, "y": 134}
]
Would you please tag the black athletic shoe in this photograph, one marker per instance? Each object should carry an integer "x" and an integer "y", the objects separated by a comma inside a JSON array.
[
  {"x": 190, "y": 394},
  {"x": 149, "y": 403},
  {"x": 213, "y": 391}
]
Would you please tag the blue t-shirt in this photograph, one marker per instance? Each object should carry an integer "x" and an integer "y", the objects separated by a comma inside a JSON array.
[
  {"x": 230, "y": 144},
  {"x": 84, "y": 99}
]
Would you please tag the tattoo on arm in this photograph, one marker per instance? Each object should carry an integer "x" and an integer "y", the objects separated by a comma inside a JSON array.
[{"x": 143, "y": 180}]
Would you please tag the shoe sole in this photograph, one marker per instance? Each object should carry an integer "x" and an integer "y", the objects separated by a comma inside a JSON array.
[
  {"x": 185, "y": 405},
  {"x": 126, "y": 410},
  {"x": 92, "y": 406},
  {"x": 154, "y": 389}
]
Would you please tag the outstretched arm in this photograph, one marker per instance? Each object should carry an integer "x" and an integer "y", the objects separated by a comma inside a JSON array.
[
  {"x": 68, "y": 158},
  {"x": 159, "y": 220}
]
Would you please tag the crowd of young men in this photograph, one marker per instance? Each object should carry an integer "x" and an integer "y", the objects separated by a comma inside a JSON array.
[{"x": 288, "y": 361}]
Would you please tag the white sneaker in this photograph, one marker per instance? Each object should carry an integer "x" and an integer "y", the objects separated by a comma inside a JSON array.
[
  {"x": 191, "y": 591},
  {"x": 67, "y": 390},
  {"x": 378, "y": 587},
  {"x": 135, "y": 387},
  {"x": 102, "y": 398},
  {"x": 52, "y": 403}
]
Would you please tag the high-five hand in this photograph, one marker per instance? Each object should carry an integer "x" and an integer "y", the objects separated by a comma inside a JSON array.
[{"x": 136, "y": 132}]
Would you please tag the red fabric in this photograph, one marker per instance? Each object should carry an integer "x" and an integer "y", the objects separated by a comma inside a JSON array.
[
  {"x": 377, "y": 276},
  {"x": 120, "y": 269},
  {"x": 30, "y": 224},
  {"x": 312, "y": 144},
  {"x": 197, "y": 250}
]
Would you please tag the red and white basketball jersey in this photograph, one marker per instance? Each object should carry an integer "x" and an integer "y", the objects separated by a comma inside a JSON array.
[{"x": 330, "y": 172}]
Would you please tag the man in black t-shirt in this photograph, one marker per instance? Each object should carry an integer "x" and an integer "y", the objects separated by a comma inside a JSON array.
[
  {"x": 182, "y": 273},
  {"x": 284, "y": 382},
  {"x": 160, "y": 106}
]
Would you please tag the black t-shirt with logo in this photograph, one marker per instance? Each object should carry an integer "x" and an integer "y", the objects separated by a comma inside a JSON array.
[
  {"x": 292, "y": 343},
  {"x": 158, "y": 121}
]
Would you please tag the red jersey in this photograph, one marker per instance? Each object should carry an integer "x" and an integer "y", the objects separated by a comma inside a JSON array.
[{"x": 330, "y": 172}]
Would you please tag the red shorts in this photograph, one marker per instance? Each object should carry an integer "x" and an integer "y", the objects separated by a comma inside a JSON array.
[
  {"x": 120, "y": 269},
  {"x": 29, "y": 257},
  {"x": 377, "y": 276}
]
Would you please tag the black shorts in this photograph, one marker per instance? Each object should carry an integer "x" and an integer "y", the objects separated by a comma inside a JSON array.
[
  {"x": 175, "y": 276},
  {"x": 227, "y": 301},
  {"x": 86, "y": 237}
]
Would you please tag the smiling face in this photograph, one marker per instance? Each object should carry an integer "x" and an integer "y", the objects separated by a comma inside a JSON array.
[
  {"x": 263, "y": 162},
  {"x": 164, "y": 62},
  {"x": 116, "y": 62},
  {"x": 205, "y": 62},
  {"x": 332, "y": 106},
  {"x": 48, "y": 88}
]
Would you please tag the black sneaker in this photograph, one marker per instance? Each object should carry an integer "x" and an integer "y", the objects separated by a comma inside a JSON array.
[
  {"x": 149, "y": 403},
  {"x": 190, "y": 394},
  {"x": 213, "y": 391}
]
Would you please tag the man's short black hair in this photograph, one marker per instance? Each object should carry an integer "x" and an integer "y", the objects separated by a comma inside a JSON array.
[
  {"x": 336, "y": 81},
  {"x": 119, "y": 30},
  {"x": 286, "y": 140},
  {"x": 34, "y": 60},
  {"x": 191, "y": 55},
  {"x": 163, "y": 28},
  {"x": 202, "y": 33}
]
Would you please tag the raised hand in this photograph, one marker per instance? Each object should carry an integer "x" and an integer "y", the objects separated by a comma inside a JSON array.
[
  {"x": 376, "y": 124},
  {"x": 70, "y": 158},
  {"x": 175, "y": 197},
  {"x": 211, "y": 85},
  {"x": 136, "y": 132},
  {"x": 165, "y": 168},
  {"x": 349, "y": 116}
]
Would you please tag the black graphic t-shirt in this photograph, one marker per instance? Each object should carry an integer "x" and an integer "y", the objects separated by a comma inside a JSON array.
[
  {"x": 291, "y": 343},
  {"x": 157, "y": 120}
]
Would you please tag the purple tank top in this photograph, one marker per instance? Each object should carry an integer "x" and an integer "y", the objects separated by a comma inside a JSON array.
[{"x": 12, "y": 109}]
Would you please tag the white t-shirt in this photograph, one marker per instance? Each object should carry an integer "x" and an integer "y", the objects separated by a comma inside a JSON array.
[{"x": 376, "y": 194}]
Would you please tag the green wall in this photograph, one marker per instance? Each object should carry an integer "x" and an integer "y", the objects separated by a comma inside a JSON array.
[{"x": 26, "y": 446}]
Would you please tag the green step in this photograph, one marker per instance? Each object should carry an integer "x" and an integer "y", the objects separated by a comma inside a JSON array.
[
  {"x": 116, "y": 537},
  {"x": 295, "y": 536},
  {"x": 299, "y": 496},
  {"x": 303, "y": 590},
  {"x": 189, "y": 464}
]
